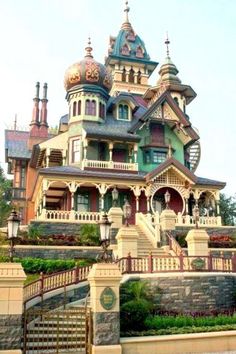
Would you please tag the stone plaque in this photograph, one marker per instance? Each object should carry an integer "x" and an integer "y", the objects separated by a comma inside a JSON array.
[{"x": 108, "y": 298}]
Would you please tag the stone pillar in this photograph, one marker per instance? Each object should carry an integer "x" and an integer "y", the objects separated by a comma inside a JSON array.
[
  {"x": 104, "y": 280},
  {"x": 127, "y": 240},
  {"x": 115, "y": 215},
  {"x": 197, "y": 240},
  {"x": 12, "y": 278},
  {"x": 167, "y": 220}
]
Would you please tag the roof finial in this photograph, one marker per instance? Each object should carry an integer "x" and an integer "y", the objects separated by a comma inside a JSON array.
[
  {"x": 126, "y": 25},
  {"x": 89, "y": 49},
  {"x": 126, "y": 10},
  {"x": 167, "y": 42}
]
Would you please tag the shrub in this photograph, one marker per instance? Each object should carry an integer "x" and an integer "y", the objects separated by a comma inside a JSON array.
[
  {"x": 133, "y": 314},
  {"x": 38, "y": 265},
  {"x": 89, "y": 235}
]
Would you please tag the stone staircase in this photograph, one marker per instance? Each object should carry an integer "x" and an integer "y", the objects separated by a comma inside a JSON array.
[
  {"x": 145, "y": 246},
  {"x": 57, "y": 331}
]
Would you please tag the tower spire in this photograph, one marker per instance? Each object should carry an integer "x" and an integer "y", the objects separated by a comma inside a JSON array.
[
  {"x": 167, "y": 42},
  {"x": 88, "y": 49},
  {"x": 126, "y": 24}
]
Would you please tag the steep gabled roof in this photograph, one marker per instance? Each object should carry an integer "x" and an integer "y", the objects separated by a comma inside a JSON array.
[
  {"x": 168, "y": 163},
  {"x": 16, "y": 144},
  {"x": 166, "y": 97}
]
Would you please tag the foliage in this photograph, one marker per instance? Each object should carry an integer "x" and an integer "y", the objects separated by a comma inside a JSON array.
[
  {"x": 31, "y": 278},
  {"x": 89, "y": 235},
  {"x": 37, "y": 265},
  {"x": 35, "y": 231},
  {"x": 181, "y": 240},
  {"x": 228, "y": 209},
  {"x": 163, "y": 322},
  {"x": 5, "y": 198},
  {"x": 136, "y": 304},
  {"x": 133, "y": 314},
  {"x": 222, "y": 241},
  {"x": 177, "y": 330}
]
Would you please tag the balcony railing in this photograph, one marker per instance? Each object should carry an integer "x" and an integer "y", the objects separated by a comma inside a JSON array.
[
  {"x": 206, "y": 221},
  {"x": 124, "y": 166},
  {"x": 87, "y": 217},
  {"x": 18, "y": 193}
]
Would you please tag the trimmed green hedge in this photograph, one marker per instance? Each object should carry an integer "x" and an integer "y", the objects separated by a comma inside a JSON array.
[
  {"x": 176, "y": 330},
  {"x": 47, "y": 266}
]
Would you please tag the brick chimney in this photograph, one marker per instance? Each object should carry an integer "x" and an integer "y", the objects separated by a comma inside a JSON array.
[
  {"x": 43, "y": 113},
  {"x": 34, "y": 125}
]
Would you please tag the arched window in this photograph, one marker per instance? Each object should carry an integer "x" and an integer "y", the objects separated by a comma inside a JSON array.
[
  {"x": 74, "y": 108},
  {"x": 123, "y": 111},
  {"x": 131, "y": 75},
  {"x": 93, "y": 108},
  {"x": 124, "y": 75},
  {"x": 176, "y": 100},
  {"x": 101, "y": 110},
  {"x": 139, "y": 77},
  {"x": 87, "y": 107},
  {"x": 79, "y": 108},
  {"x": 139, "y": 52},
  {"x": 125, "y": 50}
]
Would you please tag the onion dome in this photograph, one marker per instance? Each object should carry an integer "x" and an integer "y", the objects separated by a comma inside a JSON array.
[{"x": 89, "y": 72}]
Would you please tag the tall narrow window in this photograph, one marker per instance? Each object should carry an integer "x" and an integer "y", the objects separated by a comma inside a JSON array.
[
  {"x": 79, "y": 108},
  {"x": 93, "y": 108},
  {"x": 87, "y": 107},
  {"x": 74, "y": 108},
  {"x": 76, "y": 150},
  {"x": 82, "y": 202},
  {"x": 101, "y": 110},
  {"x": 22, "y": 177},
  {"x": 124, "y": 75},
  {"x": 139, "y": 77},
  {"x": 131, "y": 75}
]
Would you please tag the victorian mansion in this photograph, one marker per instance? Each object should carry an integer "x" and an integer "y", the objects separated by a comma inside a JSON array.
[{"x": 119, "y": 132}]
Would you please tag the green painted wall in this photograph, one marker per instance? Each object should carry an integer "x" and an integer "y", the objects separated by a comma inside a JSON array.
[
  {"x": 92, "y": 152},
  {"x": 176, "y": 144},
  {"x": 169, "y": 134}
]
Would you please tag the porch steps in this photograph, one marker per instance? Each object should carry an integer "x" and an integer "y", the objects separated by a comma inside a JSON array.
[
  {"x": 145, "y": 247},
  {"x": 57, "y": 331}
]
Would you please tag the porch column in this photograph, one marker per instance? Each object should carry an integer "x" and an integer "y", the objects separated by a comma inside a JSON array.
[
  {"x": 72, "y": 188},
  {"x": 110, "y": 151},
  {"x": 186, "y": 206},
  {"x": 148, "y": 195},
  {"x": 47, "y": 157},
  {"x": 137, "y": 192},
  {"x": 85, "y": 146},
  {"x": 102, "y": 190},
  {"x": 72, "y": 196},
  {"x": 135, "y": 152},
  {"x": 63, "y": 157}
]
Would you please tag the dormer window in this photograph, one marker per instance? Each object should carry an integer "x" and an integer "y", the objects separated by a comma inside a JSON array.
[
  {"x": 131, "y": 36},
  {"x": 123, "y": 112},
  {"x": 139, "y": 52},
  {"x": 125, "y": 50}
]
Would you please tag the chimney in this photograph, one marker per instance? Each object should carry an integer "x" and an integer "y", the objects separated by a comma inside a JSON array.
[
  {"x": 43, "y": 113},
  {"x": 35, "y": 115}
]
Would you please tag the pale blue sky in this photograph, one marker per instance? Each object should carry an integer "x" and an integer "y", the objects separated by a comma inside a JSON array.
[{"x": 41, "y": 38}]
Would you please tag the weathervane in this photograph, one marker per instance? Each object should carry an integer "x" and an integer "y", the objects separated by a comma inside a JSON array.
[
  {"x": 89, "y": 48},
  {"x": 126, "y": 10}
]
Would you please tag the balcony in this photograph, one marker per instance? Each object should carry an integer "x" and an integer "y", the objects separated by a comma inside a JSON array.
[
  {"x": 18, "y": 193},
  {"x": 114, "y": 165}
]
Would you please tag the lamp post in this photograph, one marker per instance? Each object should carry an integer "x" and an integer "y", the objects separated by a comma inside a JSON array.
[
  {"x": 115, "y": 196},
  {"x": 12, "y": 228},
  {"x": 196, "y": 215},
  {"x": 127, "y": 212},
  {"x": 167, "y": 198},
  {"x": 105, "y": 226}
]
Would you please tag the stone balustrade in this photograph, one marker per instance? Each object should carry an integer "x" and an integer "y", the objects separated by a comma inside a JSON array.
[
  {"x": 124, "y": 166},
  {"x": 87, "y": 217}
]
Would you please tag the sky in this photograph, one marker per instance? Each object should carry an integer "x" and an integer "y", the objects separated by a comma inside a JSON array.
[{"x": 39, "y": 39}]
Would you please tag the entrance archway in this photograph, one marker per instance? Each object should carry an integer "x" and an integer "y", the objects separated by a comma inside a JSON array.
[{"x": 176, "y": 200}]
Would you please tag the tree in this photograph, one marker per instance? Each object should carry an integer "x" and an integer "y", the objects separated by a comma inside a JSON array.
[
  {"x": 228, "y": 209},
  {"x": 5, "y": 197}
]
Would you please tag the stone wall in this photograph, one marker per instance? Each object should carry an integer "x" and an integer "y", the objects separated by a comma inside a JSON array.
[
  {"x": 57, "y": 228},
  {"x": 57, "y": 252},
  {"x": 193, "y": 293},
  {"x": 10, "y": 331},
  {"x": 226, "y": 231}
]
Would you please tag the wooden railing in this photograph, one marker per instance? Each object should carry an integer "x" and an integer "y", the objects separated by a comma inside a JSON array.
[
  {"x": 130, "y": 265},
  {"x": 180, "y": 263},
  {"x": 174, "y": 245},
  {"x": 55, "y": 281},
  {"x": 125, "y": 166}
]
